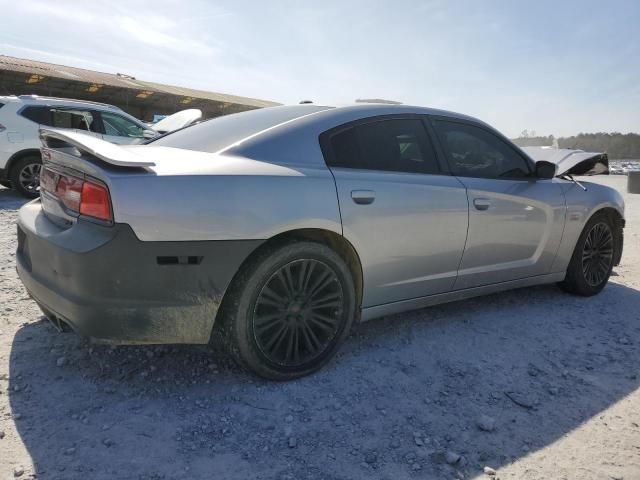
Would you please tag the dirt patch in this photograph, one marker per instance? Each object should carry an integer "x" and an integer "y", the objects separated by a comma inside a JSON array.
[{"x": 530, "y": 384}]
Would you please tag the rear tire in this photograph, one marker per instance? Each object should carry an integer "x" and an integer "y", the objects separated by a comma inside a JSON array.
[
  {"x": 288, "y": 310},
  {"x": 592, "y": 260},
  {"x": 25, "y": 176}
]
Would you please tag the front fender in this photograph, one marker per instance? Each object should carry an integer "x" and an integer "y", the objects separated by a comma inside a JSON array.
[{"x": 581, "y": 205}]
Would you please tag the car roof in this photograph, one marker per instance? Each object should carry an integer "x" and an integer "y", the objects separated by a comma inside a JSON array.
[
  {"x": 42, "y": 100},
  {"x": 374, "y": 109},
  {"x": 295, "y": 141},
  {"x": 279, "y": 128}
]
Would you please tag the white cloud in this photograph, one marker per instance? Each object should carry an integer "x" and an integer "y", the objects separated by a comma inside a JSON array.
[{"x": 170, "y": 37}]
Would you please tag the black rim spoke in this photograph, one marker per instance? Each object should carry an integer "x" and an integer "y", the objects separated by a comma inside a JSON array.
[
  {"x": 322, "y": 322},
  {"x": 276, "y": 338},
  {"x": 298, "y": 312},
  {"x": 265, "y": 322},
  {"x": 597, "y": 254}
]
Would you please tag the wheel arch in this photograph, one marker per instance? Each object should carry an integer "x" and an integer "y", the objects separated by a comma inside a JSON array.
[
  {"x": 333, "y": 240},
  {"x": 337, "y": 243},
  {"x": 13, "y": 159},
  {"x": 618, "y": 221}
]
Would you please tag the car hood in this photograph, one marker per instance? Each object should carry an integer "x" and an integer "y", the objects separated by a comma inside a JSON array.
[
  {"x": 571, "y": 162},
  {"x": 178, "y": 120}
]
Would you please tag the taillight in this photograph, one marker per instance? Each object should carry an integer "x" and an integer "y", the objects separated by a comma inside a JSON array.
[
  {"x": 48, "y": 180},
  {"x": 95, "y": 201},
  {"x": 69, "y": 190},
  {"x": 79, "y": 196}
]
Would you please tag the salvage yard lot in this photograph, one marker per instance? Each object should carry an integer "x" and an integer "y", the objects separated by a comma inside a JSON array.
[{"x": 533, "y": 383}]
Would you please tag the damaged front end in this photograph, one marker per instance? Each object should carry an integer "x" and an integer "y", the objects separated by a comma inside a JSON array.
[{"x": 571, "y": 162}]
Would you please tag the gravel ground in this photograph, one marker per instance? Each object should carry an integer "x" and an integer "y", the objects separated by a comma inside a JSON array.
[{"x": 528, "y": 384}]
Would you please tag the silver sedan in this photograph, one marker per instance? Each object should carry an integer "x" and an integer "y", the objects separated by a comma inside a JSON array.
[{"x": 275, "y": 230}]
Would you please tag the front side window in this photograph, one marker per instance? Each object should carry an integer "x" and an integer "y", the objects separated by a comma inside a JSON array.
[
  {"x": 475, "y": 152},
  {"x": 119, "y": 126},
  {"x": 398, "y": 145}
]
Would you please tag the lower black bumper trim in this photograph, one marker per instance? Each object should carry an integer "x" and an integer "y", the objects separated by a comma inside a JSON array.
[{"x": 108, "y": 285}]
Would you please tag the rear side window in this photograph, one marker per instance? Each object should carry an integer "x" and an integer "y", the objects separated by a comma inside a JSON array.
[
  {"x": 75, "y": 119},
  {"x": 398, "y": 145},
  {"x": 220, "y": 132},
  {"x": 475, "y": 152},
  {"x": 41, "y": 115}
]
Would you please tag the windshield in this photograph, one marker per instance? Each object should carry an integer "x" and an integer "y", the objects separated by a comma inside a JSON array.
[{"x": 220, "y": 132}]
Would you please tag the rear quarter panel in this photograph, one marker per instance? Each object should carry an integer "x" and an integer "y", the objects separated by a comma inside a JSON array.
[{"x": 257, "y": 204}]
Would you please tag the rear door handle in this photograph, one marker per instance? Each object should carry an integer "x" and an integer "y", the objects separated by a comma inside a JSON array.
[
  {"x": 363, "y": 197},
  {"x": 481, "y": 203}
]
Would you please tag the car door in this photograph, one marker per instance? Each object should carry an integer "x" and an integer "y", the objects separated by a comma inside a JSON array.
[
  {"x": 515, "y": 220},
  {"x": 403, "y": 213},
  {"x": 120, "y": 129}
]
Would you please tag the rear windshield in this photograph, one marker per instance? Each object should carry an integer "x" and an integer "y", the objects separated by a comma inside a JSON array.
[{"x": 220, "y": 132}]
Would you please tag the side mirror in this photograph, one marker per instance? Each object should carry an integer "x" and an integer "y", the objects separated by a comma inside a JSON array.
[
  {"x": 149, "y": 134},
  {"x": 545, "y": 169}
]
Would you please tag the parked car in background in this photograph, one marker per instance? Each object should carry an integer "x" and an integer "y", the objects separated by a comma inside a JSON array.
[
  {"x": 22, "y": 116},
  {"x": 277, "y": 229},
  {"x": 178, "y": 120}
]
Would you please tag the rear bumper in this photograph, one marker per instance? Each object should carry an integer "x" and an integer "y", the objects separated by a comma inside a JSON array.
[{"x": 108, "y": 285}]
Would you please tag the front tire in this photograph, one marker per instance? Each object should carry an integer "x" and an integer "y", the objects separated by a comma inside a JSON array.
[
  {"x": 25, "y": 176},
  {"x": 592, "y": 260},
  {"x": 288, "y": 310}
]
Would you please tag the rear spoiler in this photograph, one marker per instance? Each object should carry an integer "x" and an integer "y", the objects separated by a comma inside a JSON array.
[{"x": 56, "y": 140}]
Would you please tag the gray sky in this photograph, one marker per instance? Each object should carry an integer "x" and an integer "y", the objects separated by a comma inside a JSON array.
[{"x": 558, "y": 67}]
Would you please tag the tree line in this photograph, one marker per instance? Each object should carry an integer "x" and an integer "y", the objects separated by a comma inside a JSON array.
[{"x": 616, "y": 145}]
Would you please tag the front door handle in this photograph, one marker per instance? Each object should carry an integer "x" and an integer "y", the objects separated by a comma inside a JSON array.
[
  {"x": 481, "y": 203},
  {"x": 363, "y": 197}
]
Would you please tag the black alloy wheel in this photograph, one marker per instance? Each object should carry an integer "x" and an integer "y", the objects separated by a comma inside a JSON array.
[
  {"x": 288, "y": 309},
  {"x": 29, "y": 177},
  {"x": 25, "y": 176},
  {"x": 597, "y": 254},
  {"x": 593, "y": 257},
  {"x": 298, "y": 313}
]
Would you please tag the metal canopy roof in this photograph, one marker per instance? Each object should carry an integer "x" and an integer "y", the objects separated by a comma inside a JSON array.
[{"x": 36, "y": 70}]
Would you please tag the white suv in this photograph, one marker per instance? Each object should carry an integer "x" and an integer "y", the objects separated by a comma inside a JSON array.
[{"x": 20, "y": 120}]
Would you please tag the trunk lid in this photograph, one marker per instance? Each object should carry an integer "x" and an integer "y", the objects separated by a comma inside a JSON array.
[{"x": 73, "y": 164}]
